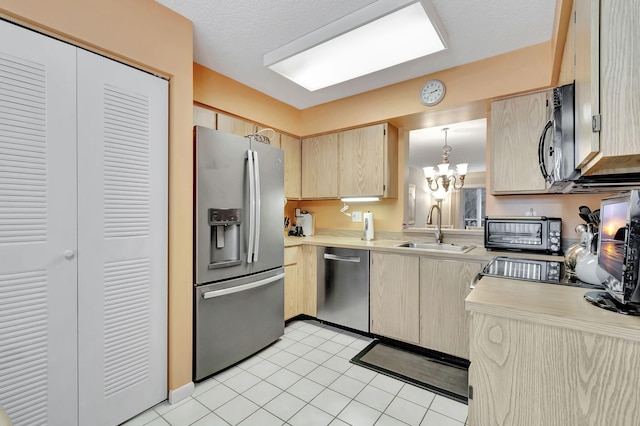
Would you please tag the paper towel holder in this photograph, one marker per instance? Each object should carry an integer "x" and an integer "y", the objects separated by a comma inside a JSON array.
[{"x": 367, "y": 228}]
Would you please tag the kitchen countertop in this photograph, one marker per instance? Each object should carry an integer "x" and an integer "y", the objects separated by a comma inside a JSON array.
[
  {"x": 477, "y": 253},
  {"x": 550, "y": 304}
]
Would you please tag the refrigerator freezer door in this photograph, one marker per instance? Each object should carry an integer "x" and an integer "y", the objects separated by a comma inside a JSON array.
[
  {"x": 221, "y": 184},
  {"x": 235, "y": 319}
]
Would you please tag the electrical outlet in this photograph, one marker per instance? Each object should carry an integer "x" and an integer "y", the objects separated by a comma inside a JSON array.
[{"x": 356, "y": 217}]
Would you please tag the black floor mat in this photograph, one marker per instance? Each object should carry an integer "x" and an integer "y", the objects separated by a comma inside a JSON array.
[{"x": 436, "y": 376}]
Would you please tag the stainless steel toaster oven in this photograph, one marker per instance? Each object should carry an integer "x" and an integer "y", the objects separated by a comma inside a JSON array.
[{"x": 524, "y": 233}]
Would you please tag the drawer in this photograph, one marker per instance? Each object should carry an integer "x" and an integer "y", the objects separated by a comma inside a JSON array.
[{"x": 291, "y": 255}]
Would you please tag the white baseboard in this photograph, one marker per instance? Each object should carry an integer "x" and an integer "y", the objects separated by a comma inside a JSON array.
[{"x": 181, "y": 393}]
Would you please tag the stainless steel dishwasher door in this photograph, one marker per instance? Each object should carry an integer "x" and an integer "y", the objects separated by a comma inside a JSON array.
[{"x": 343, "y": 287}]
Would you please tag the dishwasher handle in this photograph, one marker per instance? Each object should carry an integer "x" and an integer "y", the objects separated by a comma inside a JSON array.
[
  {"x": 352, "y": 259},
  {"x": 231, "y": 290}
]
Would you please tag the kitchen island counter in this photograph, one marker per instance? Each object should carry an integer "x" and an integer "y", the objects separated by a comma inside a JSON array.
[{"x": 541, "y": 355}]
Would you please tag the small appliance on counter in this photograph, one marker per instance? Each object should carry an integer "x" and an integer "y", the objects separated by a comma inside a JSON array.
[
  {"x": 305, "y": 223},
  {"x": 524, "y": 233},
  {"x": 367, "y": 228},
  {"x": 536, "y": 270}
]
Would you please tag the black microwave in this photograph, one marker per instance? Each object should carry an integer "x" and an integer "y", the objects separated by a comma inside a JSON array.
[
  {"x": 523, "y": 233},
  {"x": 619, "y": 245}
]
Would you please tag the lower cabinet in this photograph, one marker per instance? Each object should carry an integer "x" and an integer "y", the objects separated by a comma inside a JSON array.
[
  {"x": 420, "y": 300},
  {"x": 394, "y": 296},
  {"x": 527, "y": 373},
  {"x": 300, "y": 269},
  {"x": 292, "y": 282},
  {"x": 444, "y": 284}
]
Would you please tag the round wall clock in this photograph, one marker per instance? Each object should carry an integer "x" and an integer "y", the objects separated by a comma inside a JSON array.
[{"x": 432, "y": 92}]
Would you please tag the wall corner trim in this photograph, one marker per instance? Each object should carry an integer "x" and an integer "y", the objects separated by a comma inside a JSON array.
[{"x": 176, "y": 395}]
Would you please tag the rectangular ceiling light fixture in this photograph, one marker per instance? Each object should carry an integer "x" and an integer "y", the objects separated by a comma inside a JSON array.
[{"x": 334, "y": 54}]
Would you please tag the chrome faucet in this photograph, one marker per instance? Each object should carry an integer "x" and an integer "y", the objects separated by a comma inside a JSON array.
[{"x": 438, "y": 232}]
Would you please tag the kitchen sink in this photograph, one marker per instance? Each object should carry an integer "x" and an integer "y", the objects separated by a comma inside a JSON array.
[{"x": 438, "y": 247}]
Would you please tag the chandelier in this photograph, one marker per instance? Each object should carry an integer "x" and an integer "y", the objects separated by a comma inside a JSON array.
[{"x": 443, "y": 179}]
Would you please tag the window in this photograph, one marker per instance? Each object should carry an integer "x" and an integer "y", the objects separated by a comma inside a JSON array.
[{"x": 473, "y": 202}]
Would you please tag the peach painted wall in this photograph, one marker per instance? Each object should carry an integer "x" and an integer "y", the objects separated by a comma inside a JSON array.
[
  {"x": 514, "y": 72},
  {"x": 147, "y": 35},
  {"x": 519, "y": 71}
]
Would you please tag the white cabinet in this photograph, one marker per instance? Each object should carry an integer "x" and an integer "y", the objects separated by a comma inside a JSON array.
[{"x": 83, "y": 234}]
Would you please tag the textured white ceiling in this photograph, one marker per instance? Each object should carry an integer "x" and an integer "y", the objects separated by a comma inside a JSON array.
[{"x": 232, "y": 36}]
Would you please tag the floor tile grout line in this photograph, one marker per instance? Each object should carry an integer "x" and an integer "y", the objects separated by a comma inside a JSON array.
[{"x": 357, "y": 341}]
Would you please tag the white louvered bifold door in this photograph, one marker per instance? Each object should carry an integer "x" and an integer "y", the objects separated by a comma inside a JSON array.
[
  {"x": 122, "y": 248},
  {"x": 37, "y": 229}
]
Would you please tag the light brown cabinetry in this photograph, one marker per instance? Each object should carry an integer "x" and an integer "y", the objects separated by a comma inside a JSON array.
[
  {"x": 204, "y": 117},
  {"x": 394, "y": 296},
  {"x": 235, "y": 126},
  {"x": 309, "y": 300},
  {"x": 353, "y": 163},
  {"x": 516, "y": 125},
  {"x": 444, "y": 284},
  {"x": 615, "y": 42},
  {"x": 528, "y": 373},
  {"x": 292, "y": 166},
  {"x": 320, "y": 166},
  {"x": 293, "y": 284},
  {"x": 300, "y": 268},
  {"x": 368, "y": 158}
]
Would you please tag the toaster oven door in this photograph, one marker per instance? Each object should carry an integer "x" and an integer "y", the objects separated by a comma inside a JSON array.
[{"x": 516, "y": 235}]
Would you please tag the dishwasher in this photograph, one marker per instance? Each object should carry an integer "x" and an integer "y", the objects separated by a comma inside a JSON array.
[{"x": 343, "y": 287}]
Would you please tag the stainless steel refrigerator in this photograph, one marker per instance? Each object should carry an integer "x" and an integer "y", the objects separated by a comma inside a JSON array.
[{"x": 239, "y": 248}]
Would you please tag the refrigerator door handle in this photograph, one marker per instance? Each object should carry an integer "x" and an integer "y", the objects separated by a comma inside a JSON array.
[
  {"x": 256, "y": 165},
  {"x": 231, "y": 290},
  {"x": 252, "y": 205}
]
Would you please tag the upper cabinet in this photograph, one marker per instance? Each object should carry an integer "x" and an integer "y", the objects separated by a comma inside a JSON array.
[
  {"x": 352, "y": 163},
  {"x": 587, "y": 65},
  {"x": 319, "y": 166},
  {"x": 516, "y": 125},
  {"x": 292, "y": 166},
  {"x": 235, "y": 126},
  {"x": 368, "y": 159},
  {"x": 607, "y": 48}
]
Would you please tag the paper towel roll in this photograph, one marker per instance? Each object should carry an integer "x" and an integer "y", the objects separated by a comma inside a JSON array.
[{"x": 368, "y": 226}]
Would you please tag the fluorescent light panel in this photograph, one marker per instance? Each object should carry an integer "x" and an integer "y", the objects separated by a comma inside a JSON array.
[
  {"x": 398, "y": 37},
  {"x": 358, "y": 199}
]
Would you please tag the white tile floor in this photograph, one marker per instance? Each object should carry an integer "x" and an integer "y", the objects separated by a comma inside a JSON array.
[{"x": 306, "y": 379}]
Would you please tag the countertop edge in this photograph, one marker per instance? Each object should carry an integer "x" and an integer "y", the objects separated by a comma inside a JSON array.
[{"x": 548, "y": 304}]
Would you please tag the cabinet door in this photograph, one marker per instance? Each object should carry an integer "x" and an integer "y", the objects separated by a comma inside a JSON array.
[
  {"x": 235, "y": 126},
  {"x": 122, "y": 245},
  {"x": 293, "y": 291},
  {"x": 38, "y": 229},
  {"x": 619, "y": 83},
  {"x": 394, "y": 301},
  {"x": 320, "y": 166},
  {"x": 444, "y": 284},
  {"x": 587, "y": 90},
  {"x": 361, "y": 159},
  {"x": 204, "y": 117},
  {"x": 292, "y": 166},
  {"x": 516, "y": 125},
  {"x": 309, "y": 295}
]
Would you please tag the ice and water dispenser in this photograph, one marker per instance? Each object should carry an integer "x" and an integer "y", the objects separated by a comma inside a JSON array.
[{"x": 225, "y": 231}]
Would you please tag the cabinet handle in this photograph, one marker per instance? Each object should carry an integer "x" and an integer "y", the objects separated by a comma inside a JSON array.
[
  {"x": 68, "y": 254},
  {"x": 342, "y": 258},
  {"x": 232, "y": 290},
  {"x": 475, "y": 280}
]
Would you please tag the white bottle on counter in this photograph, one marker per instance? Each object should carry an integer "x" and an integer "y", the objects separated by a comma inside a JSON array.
[{"x": 367, "y": 231}]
